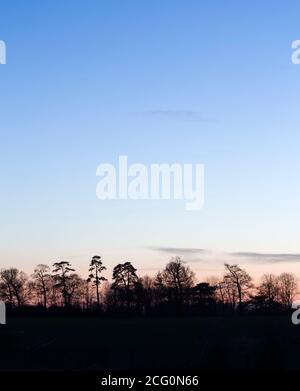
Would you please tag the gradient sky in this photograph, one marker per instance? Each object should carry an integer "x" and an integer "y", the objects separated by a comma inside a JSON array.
[{"x": 207, "y": 82}]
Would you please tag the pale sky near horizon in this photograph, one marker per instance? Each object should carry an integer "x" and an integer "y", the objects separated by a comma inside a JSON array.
[{"x": 173, "y": 81}]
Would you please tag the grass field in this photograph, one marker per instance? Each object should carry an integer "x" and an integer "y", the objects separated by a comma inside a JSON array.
[{"x": 149, "y": 343}]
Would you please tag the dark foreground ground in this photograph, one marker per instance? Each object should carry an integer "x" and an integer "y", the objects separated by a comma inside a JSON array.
[{"x": 149, "y": 343}]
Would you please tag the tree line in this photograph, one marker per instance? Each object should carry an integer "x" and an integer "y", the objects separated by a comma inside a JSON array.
[{"x": 173, "y": 290}]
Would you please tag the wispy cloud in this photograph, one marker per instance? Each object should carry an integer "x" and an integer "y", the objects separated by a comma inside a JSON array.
[
  {"x": 203, "y": 255},
  {"x": 267, "y": 257},
  {"x": 181, "y": 250}
]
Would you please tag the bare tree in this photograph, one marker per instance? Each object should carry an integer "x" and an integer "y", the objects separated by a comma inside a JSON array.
[
  {"x": 42, "y": 280},
  {"x": 13, "y": 286},
  {"x": 75, "y": 290},
  {"x": 148, "y": 292},
  {"x": 88, "y": 294},
  {"x": 96, "y": 268},
  {"x": 178, "y": 278},
  {"x": 227, "y": 287},
  {"x": 238, "y": 281},
  {"x": 269, "y": 288},
  {"x": 287, "y": 287},
  {"x": 160, "y": 290}
]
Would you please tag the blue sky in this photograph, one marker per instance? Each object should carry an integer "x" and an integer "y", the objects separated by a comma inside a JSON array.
[{"x": 175, "y": 81}]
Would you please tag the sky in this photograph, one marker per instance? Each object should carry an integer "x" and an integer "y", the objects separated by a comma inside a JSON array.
[{"x": 207, "y": 82}]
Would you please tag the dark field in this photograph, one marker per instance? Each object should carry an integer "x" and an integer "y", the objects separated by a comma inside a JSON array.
[{"x": 150, "y": 343}]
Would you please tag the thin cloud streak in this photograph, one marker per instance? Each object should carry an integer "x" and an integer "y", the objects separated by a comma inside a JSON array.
[
  {"x": 181, "y": 250},
  {"x": 267, "y": 257},
  {"x": 240, "y": 256}
]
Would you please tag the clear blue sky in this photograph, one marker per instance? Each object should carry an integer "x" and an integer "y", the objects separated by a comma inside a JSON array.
[{"x": 160, "y": 81}]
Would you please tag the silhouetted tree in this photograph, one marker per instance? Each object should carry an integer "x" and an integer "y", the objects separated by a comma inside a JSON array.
[
  {"x": 159, "y": 286},
  {"x": 239, "y": 281},
  {"x": 62, "y": 278},
  {"x": 229, "y": 290},
  {"x": 268, "y": 291},
  {"x": 42, "y": 282},
  {"x": 219, "y": 293},
  {"x": 287, "y": 286},
  {"x": 146, "y": 293},
  {"x": 203, "y": 296},
  {"x": 178, "y": 278},
  {"x": 75, "y": 290},
  {"x": 96, "y": 268},
  {"x": 13, "y": 286},
  {"x": 124, "y": 280},
  {"x": 88, "y": 294}
]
